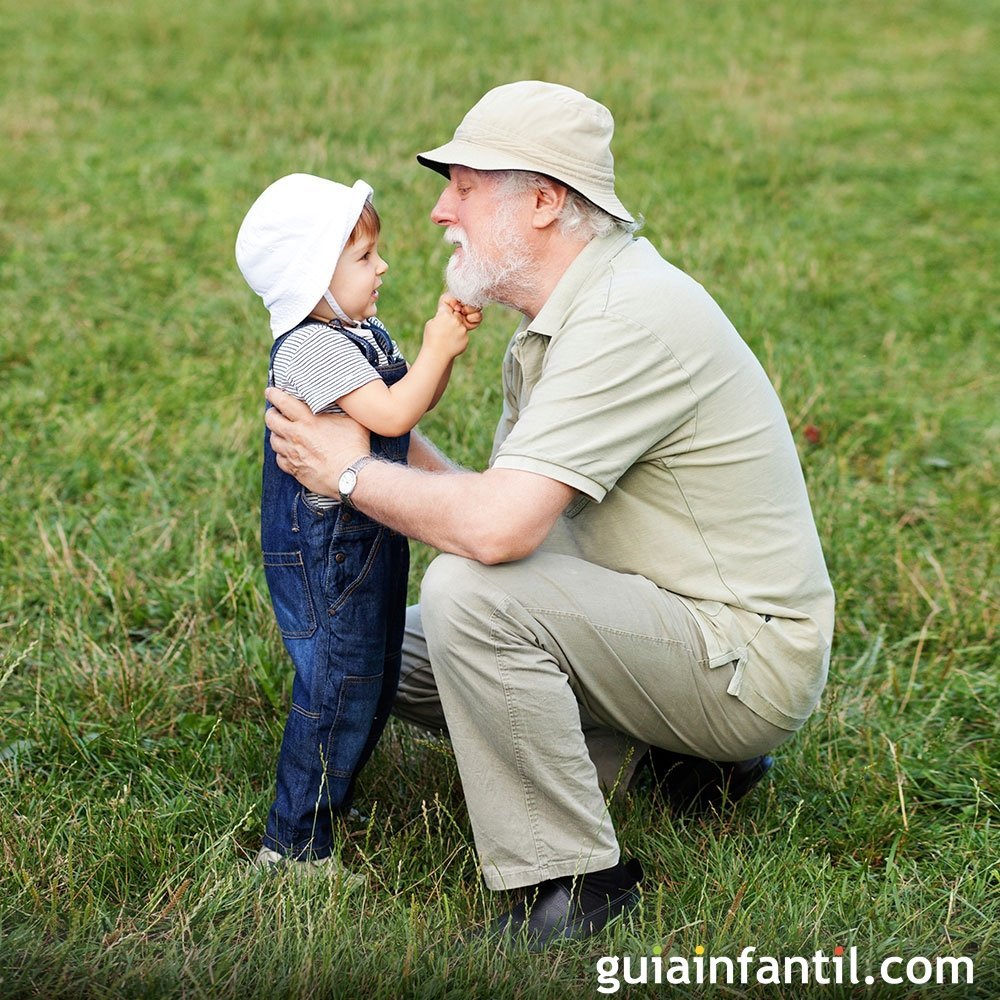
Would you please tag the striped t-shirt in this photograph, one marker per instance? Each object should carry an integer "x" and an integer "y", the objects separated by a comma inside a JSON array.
[{"x": 318, "y": 364}]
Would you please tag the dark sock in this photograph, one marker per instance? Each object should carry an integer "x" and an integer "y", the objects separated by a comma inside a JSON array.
[{"x": 595, "y": 888}]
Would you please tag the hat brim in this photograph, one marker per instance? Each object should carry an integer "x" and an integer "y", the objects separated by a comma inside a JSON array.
[{"x": 460, "y": 153}]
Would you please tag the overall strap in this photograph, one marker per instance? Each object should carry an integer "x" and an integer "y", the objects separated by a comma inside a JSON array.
[
  {"x": 381, "y": 335},
  {"x": 376, "y": 329},
  {"x": 274, "y": 351}
]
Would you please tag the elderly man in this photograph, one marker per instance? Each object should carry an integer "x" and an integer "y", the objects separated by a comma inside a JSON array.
[{"x": 637, "y": 568}]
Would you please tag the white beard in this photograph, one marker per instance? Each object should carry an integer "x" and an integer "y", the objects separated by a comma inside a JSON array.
[{"x": 506, "y": 276}]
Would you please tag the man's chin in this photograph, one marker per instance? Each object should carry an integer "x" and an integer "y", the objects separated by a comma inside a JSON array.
[
  {"x": 469, "y": 297},
  {"x": 471, "y": 293}
]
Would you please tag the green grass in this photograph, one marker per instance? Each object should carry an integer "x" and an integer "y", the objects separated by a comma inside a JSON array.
[{"x": 827, "y": 171}]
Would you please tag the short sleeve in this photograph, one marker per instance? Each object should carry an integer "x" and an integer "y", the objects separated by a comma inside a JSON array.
[
  {"x": 320, "y": 367},
  {"x": 608, "y": 393}
]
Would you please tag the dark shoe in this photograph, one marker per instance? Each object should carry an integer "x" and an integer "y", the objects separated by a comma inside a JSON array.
[
  {"x": 695, "y": 785},
  {"x": 552, "y": 912}
]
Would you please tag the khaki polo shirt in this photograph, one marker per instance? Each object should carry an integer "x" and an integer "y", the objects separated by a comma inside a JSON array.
[{"x": 632, "y": 387}]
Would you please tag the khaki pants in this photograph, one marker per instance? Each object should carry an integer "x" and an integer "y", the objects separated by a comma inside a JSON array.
[{"x": 552, "y": 675}]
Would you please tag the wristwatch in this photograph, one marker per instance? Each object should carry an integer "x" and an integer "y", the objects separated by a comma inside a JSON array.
[{"x": 349, "y": 478}]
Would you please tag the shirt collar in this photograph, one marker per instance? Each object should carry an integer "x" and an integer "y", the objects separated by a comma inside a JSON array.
[{"x": 593, "y": 257}]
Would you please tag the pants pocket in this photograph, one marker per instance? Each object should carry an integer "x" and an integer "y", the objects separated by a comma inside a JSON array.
[
  {"x": 290, "y": 595},
  {"x": 352, "y": 724}
]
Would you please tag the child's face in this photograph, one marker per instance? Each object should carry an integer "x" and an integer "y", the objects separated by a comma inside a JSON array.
[{"x": 356, "y": 280}]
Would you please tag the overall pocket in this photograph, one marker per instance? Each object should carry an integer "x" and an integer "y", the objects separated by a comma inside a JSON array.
[
  {"x": 290, "y": 595},
  {"x": 353, "y": 551}
]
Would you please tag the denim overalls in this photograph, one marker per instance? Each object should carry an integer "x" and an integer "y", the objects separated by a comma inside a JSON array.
[{"x": 338, "y": 587}]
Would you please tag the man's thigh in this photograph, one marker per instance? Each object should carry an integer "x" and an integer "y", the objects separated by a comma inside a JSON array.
[{"x": 632, "y": 653}]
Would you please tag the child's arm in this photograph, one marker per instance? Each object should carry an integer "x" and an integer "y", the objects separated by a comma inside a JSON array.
[
  {"x": 471, "y": 316},
  {"x": 394, "y": 410}
]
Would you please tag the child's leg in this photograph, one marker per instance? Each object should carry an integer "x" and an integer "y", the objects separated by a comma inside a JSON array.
[
  {"x": 339, "y": 701},
  {"x": 397, "y": 567},
  {"x": 317, "y": 759}
]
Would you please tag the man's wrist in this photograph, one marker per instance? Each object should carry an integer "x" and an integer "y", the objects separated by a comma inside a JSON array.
[{"x": 348, "y": 479}]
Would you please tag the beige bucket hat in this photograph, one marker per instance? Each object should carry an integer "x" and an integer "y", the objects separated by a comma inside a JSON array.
[{"x": 543, "y": 127}]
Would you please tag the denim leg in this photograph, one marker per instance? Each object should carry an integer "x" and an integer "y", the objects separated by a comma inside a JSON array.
[
  {"x": 345, "y": 677},
  {"x": 397, "y": 564}
]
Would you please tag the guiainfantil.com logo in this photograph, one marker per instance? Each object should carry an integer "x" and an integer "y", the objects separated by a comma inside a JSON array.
[{"x": 842, "y": 967}]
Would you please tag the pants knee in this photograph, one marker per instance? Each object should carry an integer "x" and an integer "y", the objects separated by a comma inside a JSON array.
[
  {"x": 446, "y": 583},
  {"x": 453, "y": 600}
]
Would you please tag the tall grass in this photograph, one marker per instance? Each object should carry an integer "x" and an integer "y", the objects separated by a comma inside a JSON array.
[{"x": 825, "y": 170}]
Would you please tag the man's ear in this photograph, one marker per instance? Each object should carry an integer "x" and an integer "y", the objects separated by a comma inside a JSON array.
[{"x": 549, "y": 201}]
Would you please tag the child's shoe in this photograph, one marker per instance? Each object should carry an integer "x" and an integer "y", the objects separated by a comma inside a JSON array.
[{"x": 329, "y": 867}]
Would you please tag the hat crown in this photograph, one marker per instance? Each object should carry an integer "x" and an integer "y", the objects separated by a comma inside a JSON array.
[
  {"x": 555, "y": 122},
  {"x": 285, "y": 222}
]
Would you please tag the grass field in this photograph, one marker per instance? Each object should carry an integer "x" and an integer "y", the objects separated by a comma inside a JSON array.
[{"x": 828, "y": 171}]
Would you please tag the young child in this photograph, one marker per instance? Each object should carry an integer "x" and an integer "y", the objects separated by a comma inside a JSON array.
[{"x": 309, "y": 248}]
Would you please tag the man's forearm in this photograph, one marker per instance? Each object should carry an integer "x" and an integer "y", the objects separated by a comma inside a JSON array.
[
  {"x": 492, "y": 517},
  {"x": 421, "y": 505},
  {"x": 424, "y": 455}
]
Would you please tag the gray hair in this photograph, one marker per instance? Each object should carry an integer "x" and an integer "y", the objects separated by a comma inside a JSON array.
[{"x": 580, "y": 217}]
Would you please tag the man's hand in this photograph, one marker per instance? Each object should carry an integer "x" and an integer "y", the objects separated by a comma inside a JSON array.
[{"x": 315, "y": 449}]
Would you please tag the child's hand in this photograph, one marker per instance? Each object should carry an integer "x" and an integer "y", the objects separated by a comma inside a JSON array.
[
  {"x": 471, "y": 316},
  {"x": 447, "y": 331}
]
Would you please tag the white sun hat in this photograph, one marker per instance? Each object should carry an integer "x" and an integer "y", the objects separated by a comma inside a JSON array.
[
  {"x": 541, "y": 127},
  {"x": 291, "y": 239}
]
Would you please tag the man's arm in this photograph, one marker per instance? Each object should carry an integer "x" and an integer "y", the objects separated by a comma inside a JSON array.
[
  {"x": 424, "y": 455},
  {"x": 494, "y": 516}
]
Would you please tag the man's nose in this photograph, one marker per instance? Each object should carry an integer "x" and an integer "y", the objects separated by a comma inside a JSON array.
[{"x": 443, "y": 213}]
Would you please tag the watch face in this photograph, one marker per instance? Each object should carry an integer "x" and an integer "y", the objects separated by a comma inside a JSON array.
[{"x": 348, "y": 480}]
